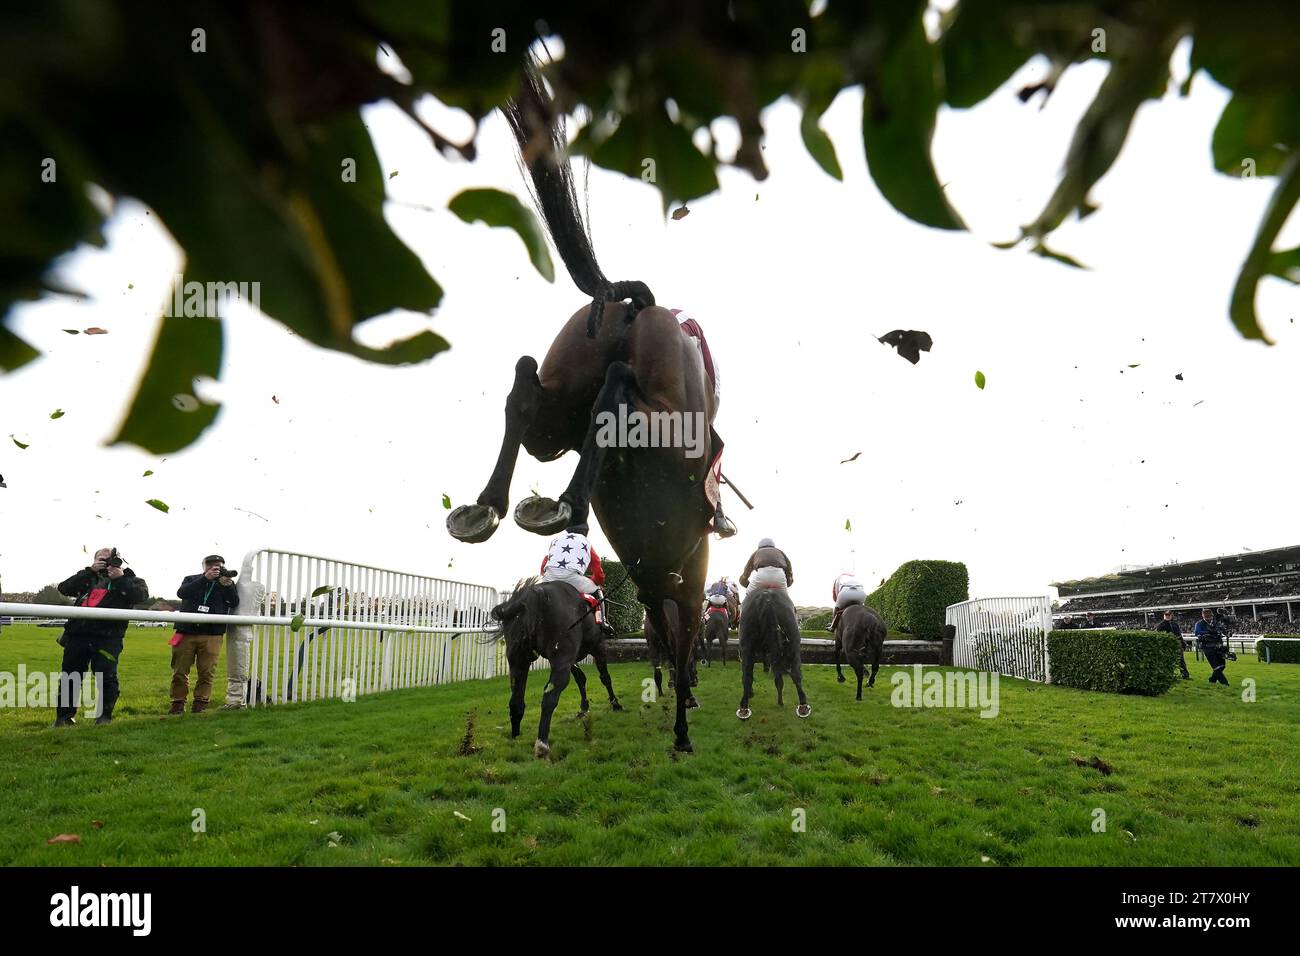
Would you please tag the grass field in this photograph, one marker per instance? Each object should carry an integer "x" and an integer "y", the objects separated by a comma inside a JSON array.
[{"x": 1199, "y": 776}]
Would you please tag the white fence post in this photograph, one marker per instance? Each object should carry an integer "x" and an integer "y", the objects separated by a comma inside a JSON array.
[{"x": 1007, "y": 635}]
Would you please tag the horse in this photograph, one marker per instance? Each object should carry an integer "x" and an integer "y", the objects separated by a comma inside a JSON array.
[
  {"x": 716, "y": 623},
  {"x": 655, "y": 504},
  {"x": 552, "y": 620},
  {"x": 770, "y": 630},
  {"x": 861, "y": 638},
  {"x": 660, "y": 654}
]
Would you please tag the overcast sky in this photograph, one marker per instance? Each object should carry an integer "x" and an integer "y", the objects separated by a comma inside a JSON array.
[{"x": 1067, "y": 464}]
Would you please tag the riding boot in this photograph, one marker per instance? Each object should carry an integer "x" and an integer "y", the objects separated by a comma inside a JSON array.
[
  {"x": 603, "y": 620},
  {"x": 723, "y": 526}
]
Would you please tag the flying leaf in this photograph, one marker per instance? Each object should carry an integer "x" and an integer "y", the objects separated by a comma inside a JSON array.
[
  {"x": 1258, "y": 260},
  {"x": 910, "y": 344},
  {"x": 1179, "y": 376},
  {"x": 681, "y": 212},
  {"x": 275, "y": 399},
  {"x": 815, "y": 140},
  {"x": 73, "y": 331},
  {"x": 147, "y": 474},
  {"x": 14, "y": 352},
  {"x": 497, "y": 208},
  {"x": 18, "y": 443},
  {"x": 296, "y": 624},
  {"x": 979, "y": 379},
  {"x": 165, "y": 416},
  {"x": 160, "y": 505},
  {"x": 848, "y": 525},
  {"x": 446, "y": 501},
  {"x": 323, "y": 589},
  {"x": 96, "y": 330},
  {"x": 1041, "y": 249},
  {"x": 63, "y": 838},
  {"x": 855, "y": 457},
  {"x": 1138, "y": 72},
  {"x": 57, "y": 413},
  {"x": 898, "y": 117}
]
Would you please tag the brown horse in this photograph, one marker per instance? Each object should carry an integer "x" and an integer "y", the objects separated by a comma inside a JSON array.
[{"x": 608, "y": 357}]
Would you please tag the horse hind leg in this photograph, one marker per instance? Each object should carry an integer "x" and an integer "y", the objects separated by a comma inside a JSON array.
[
  {"x": 477, "y": 522},
  {"x": 545, "y": 516},
  {"x": 796, "y": 675},
  {"x": 602, "y": 668},
  {"x": 580, "y": 679}
]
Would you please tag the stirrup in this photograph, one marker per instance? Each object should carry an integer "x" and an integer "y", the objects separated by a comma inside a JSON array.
[{"x": 723, "y": 526}]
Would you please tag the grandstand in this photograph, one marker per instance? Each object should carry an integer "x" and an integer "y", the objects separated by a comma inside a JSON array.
[{"x": 1260, "y": 588}]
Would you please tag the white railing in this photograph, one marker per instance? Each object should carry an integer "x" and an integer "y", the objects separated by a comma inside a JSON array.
[
  {"x": 1006, "y": 634},
  {"x": 363, "y": 630}
]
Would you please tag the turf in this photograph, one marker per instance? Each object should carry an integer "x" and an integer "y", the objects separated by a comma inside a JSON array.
[{"x": 1200, "y": 777}]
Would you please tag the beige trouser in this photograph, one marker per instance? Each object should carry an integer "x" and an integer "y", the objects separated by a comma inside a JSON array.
[{"x": 206, "y": 650}]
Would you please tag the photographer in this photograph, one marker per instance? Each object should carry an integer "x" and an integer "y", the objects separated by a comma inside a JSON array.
[
  {"x": 96, "y": 644},
  {"x": 212, "y": 592},
  {"x": 1211, "y": 634},
  {"x": 1170, "y": 626}
]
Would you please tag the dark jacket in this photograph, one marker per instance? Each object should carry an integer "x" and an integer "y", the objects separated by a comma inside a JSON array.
[
  {"x": 95, "y": 589},
  {"x": 767, "y": 558},
  {"x": 1208, "y": 633},
  {"x": 1170, "y": 627},
  {"x": 197, "y": 591}
]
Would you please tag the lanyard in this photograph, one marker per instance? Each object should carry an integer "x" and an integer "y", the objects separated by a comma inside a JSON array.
[{"x": 209, "y": 594}]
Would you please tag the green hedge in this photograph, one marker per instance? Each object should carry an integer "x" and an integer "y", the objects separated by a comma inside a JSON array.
[
  {"x": 817, "y": 622},
  {"x": 619, "y": 587},
  {"x": 916, "y": 596},
  {"x": 1278, "y": 652},
  {"x": 1117, "y": 662}
]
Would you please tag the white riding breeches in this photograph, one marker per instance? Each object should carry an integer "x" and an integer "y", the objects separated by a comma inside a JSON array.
[{"x": 763, "y": 579}]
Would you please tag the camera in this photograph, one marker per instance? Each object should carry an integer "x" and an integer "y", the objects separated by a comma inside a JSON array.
[
  {"x": 114, "y": 560},
  {"x": 227, "y": 573}
]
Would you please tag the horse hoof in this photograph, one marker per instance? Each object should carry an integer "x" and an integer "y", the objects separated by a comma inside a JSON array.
[
  {"x": 541, "y": 749},
  {"x": 839, "y": 680},
  {"x": 684, "y": 746},
  {"x": 543, "y": 515},
  {"x": 473, "y": 524},
  {"x": 616, "y": 706},
  {"x": 692, "y": 702},
  {"x": 744, "y": 713},
  {"x": 803, "y": 710}
]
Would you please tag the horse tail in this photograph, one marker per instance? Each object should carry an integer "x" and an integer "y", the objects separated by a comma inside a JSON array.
[
  {"x": 538, "y": 125},
  {"x": 521, "y": 602}
]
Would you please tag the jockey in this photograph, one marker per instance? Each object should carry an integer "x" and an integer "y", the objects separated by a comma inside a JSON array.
[
  {"x": 846, "y": 590},
  {"x": 716, "y": 598},
  {"x": 571, "y": 558},
  {"x": 767, "y": 567}
]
